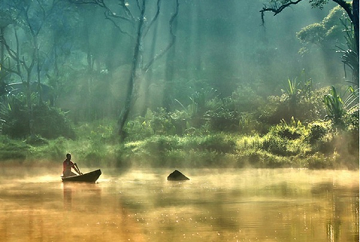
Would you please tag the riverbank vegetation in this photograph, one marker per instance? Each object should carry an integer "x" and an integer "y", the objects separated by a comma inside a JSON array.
[{"x": 211, "y": 133}]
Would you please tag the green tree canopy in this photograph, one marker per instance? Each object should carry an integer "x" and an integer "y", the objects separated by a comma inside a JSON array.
[{"x": 320, "y": 31}]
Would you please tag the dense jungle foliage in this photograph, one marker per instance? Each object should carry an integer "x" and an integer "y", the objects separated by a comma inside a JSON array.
[
  {"x": 210, "y": 132},
  {"x": 63, "y": 89}
]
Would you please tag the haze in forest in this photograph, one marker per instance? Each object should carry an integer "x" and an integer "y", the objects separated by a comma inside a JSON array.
[
  {"x": 176, "y": 82},
  {"x": 219, "y": 45}
]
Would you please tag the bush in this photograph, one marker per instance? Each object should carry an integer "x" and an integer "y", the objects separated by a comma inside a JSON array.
[
  {"x": 53, "y": 150},
  {"x": 158, "y": 122},
  {"x": 320, "y": 161},
  {"x": 307, "y": 108},
  {"x": 51, "y": 123},
  {"x": 47, "y": 121},
  {"x": 277, "y": 146},
  {"x": 287, "y": 139},
  {"x": 195, "y": 151},
  {"x": 317, "y": 131},
  {"x": 218, "y": 143},
  {"x": 12, "y": 149},
  {"x": 222, "y": 120}
]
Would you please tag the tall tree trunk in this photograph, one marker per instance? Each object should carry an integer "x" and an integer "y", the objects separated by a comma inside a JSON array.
[
  {"x": 29, "y": 103},
  {"x": 2, "y": 46},
  {"x": 133, "y": 75}
]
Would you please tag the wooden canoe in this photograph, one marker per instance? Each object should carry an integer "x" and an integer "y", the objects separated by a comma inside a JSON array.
[{"x": 89, "y": 177}]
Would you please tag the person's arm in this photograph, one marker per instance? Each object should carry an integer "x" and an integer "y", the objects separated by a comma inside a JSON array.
[{"x": 77, "y": 169}]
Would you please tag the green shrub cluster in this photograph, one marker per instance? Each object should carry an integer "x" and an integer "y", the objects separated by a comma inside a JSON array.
[
  {"x": 221, "y": 134},
  {"x": 19, "y": 121}
]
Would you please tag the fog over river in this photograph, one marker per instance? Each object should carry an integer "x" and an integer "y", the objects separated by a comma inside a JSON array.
[{"x": 214, "y": 205}]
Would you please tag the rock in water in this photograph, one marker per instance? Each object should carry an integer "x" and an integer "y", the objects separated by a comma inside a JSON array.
[{"x": 177, "y": 176}]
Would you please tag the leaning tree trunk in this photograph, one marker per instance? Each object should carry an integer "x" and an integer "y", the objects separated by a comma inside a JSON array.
[
  {"x": 134, "y": 68},
  {"x": 355, "y": 9}
]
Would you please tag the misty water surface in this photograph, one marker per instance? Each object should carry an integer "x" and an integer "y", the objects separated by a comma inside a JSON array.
[{"x": 215, "y": 205}]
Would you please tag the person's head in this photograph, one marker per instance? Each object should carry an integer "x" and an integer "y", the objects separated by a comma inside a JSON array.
[{"x": 68, "y": 156}]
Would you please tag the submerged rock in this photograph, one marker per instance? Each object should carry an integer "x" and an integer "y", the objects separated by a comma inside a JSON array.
[{"x": 177, "y": 176}]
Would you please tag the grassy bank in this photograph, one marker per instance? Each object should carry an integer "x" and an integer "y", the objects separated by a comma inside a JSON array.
[{"x": 313, "y": 146}]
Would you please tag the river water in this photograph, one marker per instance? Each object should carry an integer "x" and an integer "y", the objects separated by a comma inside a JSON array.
[{"x": 215, "y": 205}]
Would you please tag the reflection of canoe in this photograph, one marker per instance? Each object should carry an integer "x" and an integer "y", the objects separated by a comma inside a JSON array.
[{"x": 90, "y": 177}]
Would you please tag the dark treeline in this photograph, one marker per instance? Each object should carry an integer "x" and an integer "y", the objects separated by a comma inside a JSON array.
[{"x": 180, "y": 83}]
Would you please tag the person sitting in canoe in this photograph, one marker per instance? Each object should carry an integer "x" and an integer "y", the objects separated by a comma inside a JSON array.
[{"x": 67, "y": 165}]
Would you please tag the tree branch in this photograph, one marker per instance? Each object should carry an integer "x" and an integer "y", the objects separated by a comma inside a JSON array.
[
  {"x": 276, "y": 9},
  {"x": 10, "y": 51},
  {"x": 13, "y": 55},
  {"x": 172, "y": 41},
  {"x": 110, "y": 15},
  {"x": 110, "y": 18},
  {"x": 153, "y": 19}
]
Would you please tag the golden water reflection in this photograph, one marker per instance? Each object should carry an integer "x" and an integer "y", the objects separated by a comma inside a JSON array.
[{"x": 215, "y": 205}]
